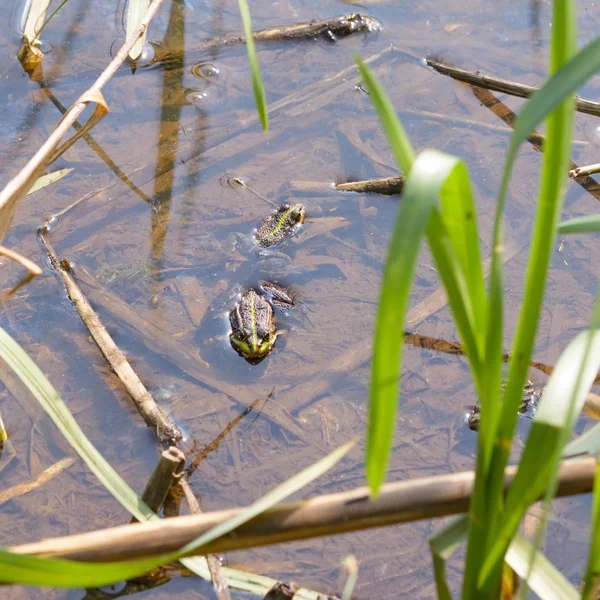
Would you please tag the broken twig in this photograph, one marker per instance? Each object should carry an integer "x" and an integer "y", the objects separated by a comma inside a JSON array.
[
  {"x": 167, "y": 471},
  {"x": 584, "y": 171},
  {"x": 388, "y": 186},
  {"x": 43, "y": 478},
  {"x": 165, "y": 429},
  {"x": 502, "y": 85}
]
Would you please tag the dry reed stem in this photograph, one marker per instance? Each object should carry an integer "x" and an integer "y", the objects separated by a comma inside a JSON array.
[
  {"x": 400, "y": 502},
  {"x": 584, "y": 171},
  {"x": 387, "y": 186},
  {"x": 168, "y": 470},
  {"x": 16, "y": 189},
  {"x": 154, "y": 417},
  {"x": 502, "y": 85},
  {"x": 43, "y": 478},
  {"x": 32, "y": 270}
]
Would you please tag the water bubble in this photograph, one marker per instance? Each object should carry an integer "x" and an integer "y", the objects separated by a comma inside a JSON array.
[
  {"x": 146, "y": 58},
  {"x": 231, "y": 180},
  {"x": 206, "y": 70},
  {"x": 197, "y": 97},
  {"x": 52, "y": 223}
]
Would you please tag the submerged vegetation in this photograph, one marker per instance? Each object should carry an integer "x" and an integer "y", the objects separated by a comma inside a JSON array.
[{"x": 437, "y": 205}]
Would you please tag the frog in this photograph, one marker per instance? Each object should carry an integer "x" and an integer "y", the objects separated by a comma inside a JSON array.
[
  {"x": 529, "y": 401},
  {"x": 261, "y": 245},
  {"x": 253, "y": 334},
  {"x": 280, "y": 225}
]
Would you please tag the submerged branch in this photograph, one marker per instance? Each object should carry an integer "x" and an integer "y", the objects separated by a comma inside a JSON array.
[
  {"x": 340, "y": 26},
  {"x": 400, "y": 502},
  {"x": 165, "y": 429},
  {"x": 388, "y": 186},
  {"x": 44, "y": 477},
  {"x": 504, "y": 86}
]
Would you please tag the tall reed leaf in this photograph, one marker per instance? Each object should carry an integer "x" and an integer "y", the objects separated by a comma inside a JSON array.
[
  {"x": 545, "y": 579},
  {"x": 586, "y": 224},
  {"x": 442, "y": 545},
  {"x": 554, "y": 96},
  {"x": 593, "y": 567},
  {"x": 562, "y": 398},
  {"x": 43, "y": 391},
  {"x": 421, "y": 190},
  {"x": 257, "y": 84},
  {"x": 447, "y": 177},
  {"x": 135, "y": 14},
  {"x": 399, "y": 142},
  {"x": 34, "y": 570}
]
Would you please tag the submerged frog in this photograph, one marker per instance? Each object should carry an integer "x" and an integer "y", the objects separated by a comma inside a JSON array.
[
  {"x": 529, "y": 402},
  {"x": 253, "y": 333},
  {"x": 280, "y": 224}
]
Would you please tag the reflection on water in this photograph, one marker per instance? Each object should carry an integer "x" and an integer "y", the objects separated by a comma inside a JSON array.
[{"x": 191, "y": 170}]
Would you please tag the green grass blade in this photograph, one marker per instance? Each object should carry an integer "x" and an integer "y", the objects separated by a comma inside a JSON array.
[
  {"x": 257, "y": 84},
  {"x": 34, "y": 570},
  {"x": 545, "y": 579},
  {"x": 489, "y": 495},
  {"x": 135, "y": 14},
  {"x": 454, "y": 242},
  {"x": 421, "y": 191},
  {"x": 456, "y": 287},
  {"x": 16, "y": 568},
  {"x": 46, "y": 395},
  {"x": 561, "y": 400},
  {"x": 458, "y": 213},
  {"x": 392, "y": 126},
  {"x": 587, "y": 443},
  {"x": 593, "y": 567},
  {"x": 587, "y": 224},
  {"x": 442, "y": 545}
]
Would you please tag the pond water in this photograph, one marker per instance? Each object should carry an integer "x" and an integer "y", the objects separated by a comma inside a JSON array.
[{"x": 159, "y": 202}]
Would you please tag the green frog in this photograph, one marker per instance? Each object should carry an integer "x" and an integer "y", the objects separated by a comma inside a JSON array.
[
  {"x": 253, "y": 333},
  {"x": 280, "y": 224}
]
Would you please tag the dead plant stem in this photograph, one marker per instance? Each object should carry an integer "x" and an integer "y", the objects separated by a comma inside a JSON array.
[
  {"x": 165, "y": 429},
  {"x": 399, "y": 502}
]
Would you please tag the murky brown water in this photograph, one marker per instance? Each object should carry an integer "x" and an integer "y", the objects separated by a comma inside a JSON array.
[{"x": 160, "y": 260}]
